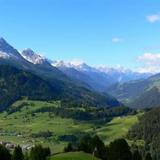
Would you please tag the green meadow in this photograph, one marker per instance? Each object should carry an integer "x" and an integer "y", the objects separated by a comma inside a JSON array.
[
  {"x": 73, "y": 156},
  {"x": 21, "y": 126},
  {"x": 117, "y": 128}
]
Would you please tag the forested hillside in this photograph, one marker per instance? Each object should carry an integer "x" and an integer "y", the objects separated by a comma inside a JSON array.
[
  {"x": 16, "y": 83},
  {"x": 138, "y": 94},
  {"x": 148, "y": 129}
]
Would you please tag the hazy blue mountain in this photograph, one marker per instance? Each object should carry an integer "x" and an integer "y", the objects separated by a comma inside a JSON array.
[
  {"x": 140, "y": 93},
  {"x": 86, "y": 74},
  {"x": 122, "y": 75},
  {"x": 98, "y": 78}
]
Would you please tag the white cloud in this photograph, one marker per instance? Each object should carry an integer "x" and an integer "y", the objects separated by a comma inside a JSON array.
[
  {"x": 150, "y": 58},
  {"x": 117, "y": 40},
  {"x": 148, "y": 69},
  {"x": 153, "y": 18},
  {"x": 150, "y": 63}
]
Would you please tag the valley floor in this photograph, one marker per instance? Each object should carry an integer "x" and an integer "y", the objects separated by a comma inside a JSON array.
[{"x": 26, "y": 128}]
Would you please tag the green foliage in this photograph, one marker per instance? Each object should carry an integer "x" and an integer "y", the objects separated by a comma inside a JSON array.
[
  {"x": 87, "y": 113},
  {"x": 68, "y": 138},
  {"x": 148, "y": 156},
  {"x": 26, "y": 156},
  {"x": 17, "y": 153},
  {"x": 99, "y": 148},
  {"x": 136, "y": 155},
  {"x": 39, "y": 153},
  {"x": 148, "y": 129},
  {"x": 4, "y": 153},
  {"x": 85, "y": 144},
  {"x": 119, "y": 150},
  {"x": 15, "y": 83},
  {"x": 69, "y": 148},
  {"x": 63, "y": 130},
  {"x": 94, "y": 145},
  {"x": 44, "y": 134}
]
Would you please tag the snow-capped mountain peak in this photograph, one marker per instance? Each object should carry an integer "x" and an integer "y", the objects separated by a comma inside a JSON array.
[
  {"x": 60, "y": 64},
  {"x": 7, "y": 51},
  {"x": 33, "y": 57},
  {"x": 78, "y": 65}
]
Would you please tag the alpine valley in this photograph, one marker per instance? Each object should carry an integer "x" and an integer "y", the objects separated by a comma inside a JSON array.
[
  {"x": 60, "y": 80},
  {"x": 78, "y": 111}
]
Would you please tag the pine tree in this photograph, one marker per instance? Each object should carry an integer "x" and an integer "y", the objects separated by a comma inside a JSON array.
[
  {"x": 136, "y": 155},
  {"x": 85, "y": 144},
  {"x": 17, "y": 153},
  {"x": 69, "y": 148},
  {"x": 93, "y": 145},
  {"x": 26, "y": 156},
  {"x": 4, "y": 153},
  {"x": 39, "y": 153},
  {"x": 99, "y": 147},
  {"x": 119, "y": 150},
  {"x": 148, "y": 156}
]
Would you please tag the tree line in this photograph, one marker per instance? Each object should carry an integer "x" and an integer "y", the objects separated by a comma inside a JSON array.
[
  {"x": 88, "y": 113},
  {"x": 116, "y": 150},
  {"x": 148, "y": 129},
  {"x": 37, "y": 153}
]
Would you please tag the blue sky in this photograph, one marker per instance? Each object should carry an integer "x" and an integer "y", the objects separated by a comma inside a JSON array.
[{"x": 108, "y": 32}]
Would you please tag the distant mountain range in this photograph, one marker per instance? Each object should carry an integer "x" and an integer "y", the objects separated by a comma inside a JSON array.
[
  {"x": 30, "y": 75},
  {"x": 81, "y": 83},
  {"x": 139, "y": 93},
  {"x": 98, "y": 78}
]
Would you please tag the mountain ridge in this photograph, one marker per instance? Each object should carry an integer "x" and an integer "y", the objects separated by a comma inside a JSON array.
[
  {"x": 96, "y": 78},
  {"x": 65, "y": 89},
  {"x": 140, "y": 93}
]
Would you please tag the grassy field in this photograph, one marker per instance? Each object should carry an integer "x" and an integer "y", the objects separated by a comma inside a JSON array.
[
  {"x": 73, "y": 156},
  {"x": 117, "y": 128},
  {"x": 20, "y": 126}
]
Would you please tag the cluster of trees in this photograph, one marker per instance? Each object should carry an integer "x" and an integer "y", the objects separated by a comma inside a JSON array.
[
  {"x": 36, "y": 153},
  {"x": 44, "y": 134},
  {"x": 88, "y": 113},
  {"x": 68, "y": 138},
  {"x": 148, "y": 129},
  {"x": 116, "y": 150}
]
